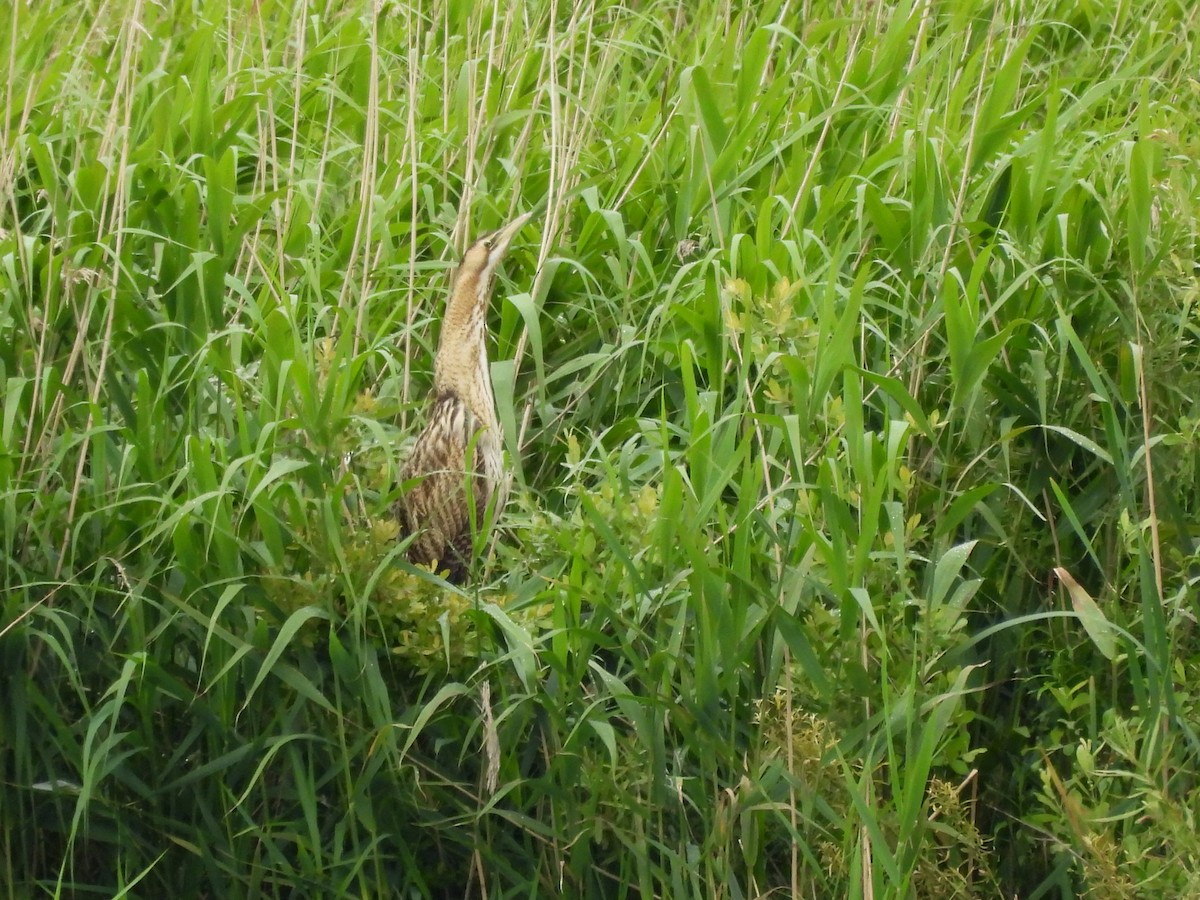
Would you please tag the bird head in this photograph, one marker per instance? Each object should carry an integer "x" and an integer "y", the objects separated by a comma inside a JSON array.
[
  {"x": 480, "y": 261},
  {"x": 461, "y": 361}
]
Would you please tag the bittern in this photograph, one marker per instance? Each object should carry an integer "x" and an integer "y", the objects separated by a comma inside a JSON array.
[{"x": 456, "y": 465}]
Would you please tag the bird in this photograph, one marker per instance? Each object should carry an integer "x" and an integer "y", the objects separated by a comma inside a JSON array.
[{"x": 455, "y": 471}]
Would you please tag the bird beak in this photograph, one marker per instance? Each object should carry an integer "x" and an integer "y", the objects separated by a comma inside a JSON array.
[{"x": 502, "y": 237}]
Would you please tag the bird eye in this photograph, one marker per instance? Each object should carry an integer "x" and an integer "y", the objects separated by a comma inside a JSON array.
[{"x": 487, "y": 243}]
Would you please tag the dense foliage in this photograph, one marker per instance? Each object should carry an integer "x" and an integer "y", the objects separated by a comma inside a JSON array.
[{"x": 850, "y": 384}]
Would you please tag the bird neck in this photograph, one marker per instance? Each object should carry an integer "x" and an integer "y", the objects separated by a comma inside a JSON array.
[{"x": 461, "y": 365}]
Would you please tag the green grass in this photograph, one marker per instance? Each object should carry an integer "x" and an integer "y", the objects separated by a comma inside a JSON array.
[{"x": 850, "y": 386}]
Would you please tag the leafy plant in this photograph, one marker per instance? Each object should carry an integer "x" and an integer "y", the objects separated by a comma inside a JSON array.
[{"x": 849, "y": 391}]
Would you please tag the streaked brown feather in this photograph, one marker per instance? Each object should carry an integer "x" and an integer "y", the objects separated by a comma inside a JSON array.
[
  {"x": 435, "y": 508},
  {"x": 450, "y": 493}
]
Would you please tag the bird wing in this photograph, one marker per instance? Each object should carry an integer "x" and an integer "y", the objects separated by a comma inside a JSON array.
[{"x": 435, "y": 508}]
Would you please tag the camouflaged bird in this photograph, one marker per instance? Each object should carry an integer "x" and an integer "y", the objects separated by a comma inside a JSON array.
[{"x": 456, "y": 466}]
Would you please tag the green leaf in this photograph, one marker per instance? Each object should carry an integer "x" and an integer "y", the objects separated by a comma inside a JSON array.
[{"x": 1098, "y": 628}]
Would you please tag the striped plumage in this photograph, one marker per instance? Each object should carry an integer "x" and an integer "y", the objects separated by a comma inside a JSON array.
[{"x": 459, "y": 450}]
